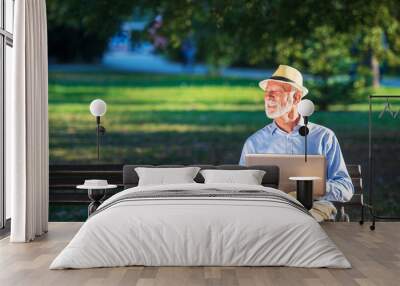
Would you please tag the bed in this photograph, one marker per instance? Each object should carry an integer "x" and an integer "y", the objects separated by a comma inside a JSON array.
[{"x": 201, "y": 224}]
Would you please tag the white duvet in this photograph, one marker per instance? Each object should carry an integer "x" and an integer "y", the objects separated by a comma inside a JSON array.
[{"x": 200, "y": 231}]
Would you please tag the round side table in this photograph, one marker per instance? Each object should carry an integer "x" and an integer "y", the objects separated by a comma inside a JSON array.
[
  {"x": 96, "y": 195},
  {"x": 304, "y": 191}
]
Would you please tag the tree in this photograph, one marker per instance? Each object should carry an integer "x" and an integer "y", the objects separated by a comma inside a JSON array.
[
  {"x": 327, "y": 39},
  {"x": 331, "y": 40},
  {"x": 372, "y": 26},
  {"x": 327, "y": 59},
  {"x": 80, "y": 30}
]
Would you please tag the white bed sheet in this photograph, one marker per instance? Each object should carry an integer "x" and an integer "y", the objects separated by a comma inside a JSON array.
[{"x": 200, "y": 231}]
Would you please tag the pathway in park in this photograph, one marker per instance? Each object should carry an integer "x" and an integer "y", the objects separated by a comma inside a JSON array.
[
  {"x": 136, "y": 62},
  {"x": 147, "y": 62}
]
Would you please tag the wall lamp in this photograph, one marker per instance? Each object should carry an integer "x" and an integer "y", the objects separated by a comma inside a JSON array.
[
  {"x": 306, "y": 109},
  {"x": 98, "y": 108}
]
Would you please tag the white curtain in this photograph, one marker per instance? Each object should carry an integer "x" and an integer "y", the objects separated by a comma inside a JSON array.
[{"x": 27, "y": 124}]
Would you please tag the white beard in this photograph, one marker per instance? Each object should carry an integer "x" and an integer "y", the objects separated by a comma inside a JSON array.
[{"x": 279, "y": 109}]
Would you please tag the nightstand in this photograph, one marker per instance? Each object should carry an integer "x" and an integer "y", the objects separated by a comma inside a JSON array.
[{"x": 96, "y": 195}]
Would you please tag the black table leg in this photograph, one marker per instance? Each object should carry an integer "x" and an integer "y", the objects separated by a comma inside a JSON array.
[
  {"x": 305, "y": 193},
  {"x": 362, "y": 215},
  {"x": 96, "y": 197}
]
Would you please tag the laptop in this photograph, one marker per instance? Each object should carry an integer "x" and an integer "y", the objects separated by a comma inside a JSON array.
[{"x": 294, "y": 166}]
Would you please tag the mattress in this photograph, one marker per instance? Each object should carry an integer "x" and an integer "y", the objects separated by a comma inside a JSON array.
[{"x": 201, "y": 225}]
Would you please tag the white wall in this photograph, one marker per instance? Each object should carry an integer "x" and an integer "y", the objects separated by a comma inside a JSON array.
[
  {"x": 9, "y": 10},
  {"x": 9, "y": 26},
  {"x": 8, "y": 85}
]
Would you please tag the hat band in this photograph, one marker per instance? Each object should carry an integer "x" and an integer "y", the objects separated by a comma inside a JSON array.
[{"x": 282, "y": 79}]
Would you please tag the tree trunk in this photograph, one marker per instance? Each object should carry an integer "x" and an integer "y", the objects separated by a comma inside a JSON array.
[
  {"x": 323, "y": 106},
  {"x": 375, "y": 71}
]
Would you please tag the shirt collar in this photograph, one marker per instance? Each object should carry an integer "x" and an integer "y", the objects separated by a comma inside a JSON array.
[{"x": 296, "y": 128}]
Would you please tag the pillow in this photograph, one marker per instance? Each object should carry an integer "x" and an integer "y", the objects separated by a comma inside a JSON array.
[
  {"x": 164, "y": 176},
  {"x": 248, "y": 177}
]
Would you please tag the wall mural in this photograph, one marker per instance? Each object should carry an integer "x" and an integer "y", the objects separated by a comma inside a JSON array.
[
  {"x": 383, "y": 174},
  {"x": 389, "y": 109}
]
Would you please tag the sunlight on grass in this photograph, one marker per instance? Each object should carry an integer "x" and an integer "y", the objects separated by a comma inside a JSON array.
[{"x": 179, "y": 116}]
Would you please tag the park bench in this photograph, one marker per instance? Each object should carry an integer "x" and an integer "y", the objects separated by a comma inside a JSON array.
[
  {"x": 358, "y": 198},
  {"x": 64, "y": 178}
]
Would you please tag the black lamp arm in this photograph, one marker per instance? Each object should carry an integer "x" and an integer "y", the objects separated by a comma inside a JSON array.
[
  {"x": 100, "y": 129},
  {"x": 304, "y": 132}
]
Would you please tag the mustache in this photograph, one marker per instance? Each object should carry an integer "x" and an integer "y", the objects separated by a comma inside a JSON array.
[{"x": 271, "y": 103}]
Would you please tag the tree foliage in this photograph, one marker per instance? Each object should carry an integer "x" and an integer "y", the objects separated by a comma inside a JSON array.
[
  {"x": 79, "y": 30},
  {"x": 326, "y": 39}
]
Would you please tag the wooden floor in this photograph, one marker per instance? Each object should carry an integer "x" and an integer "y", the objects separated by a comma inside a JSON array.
[{"x": 375, "y": 257}]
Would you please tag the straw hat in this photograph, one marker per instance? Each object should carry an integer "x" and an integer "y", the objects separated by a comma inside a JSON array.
[{"x": 288, "y": 75}]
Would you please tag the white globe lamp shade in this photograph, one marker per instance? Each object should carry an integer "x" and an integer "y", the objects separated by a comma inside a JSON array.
[
  {"x": 98, "y": 107},
  {"x": 305, "y": 107}
]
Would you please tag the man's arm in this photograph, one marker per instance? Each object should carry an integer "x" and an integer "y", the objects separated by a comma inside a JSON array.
[
  {"x": 339, "y": 186},
  {"x": 247, "y": 149}
]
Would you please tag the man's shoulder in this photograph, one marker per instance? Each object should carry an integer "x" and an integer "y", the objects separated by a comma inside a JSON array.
[
  {"x": 323, "y": 130},
  {"x": 260, "y": 134}
]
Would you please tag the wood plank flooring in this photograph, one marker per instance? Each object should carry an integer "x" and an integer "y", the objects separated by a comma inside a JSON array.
[{"x": 375, "y": 257}]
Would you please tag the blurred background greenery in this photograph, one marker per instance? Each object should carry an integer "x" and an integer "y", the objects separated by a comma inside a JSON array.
[
  {"x": 343, "y": 44},
  {"x": 186, "y": 112},
  {"x": 183, "y": 118}
]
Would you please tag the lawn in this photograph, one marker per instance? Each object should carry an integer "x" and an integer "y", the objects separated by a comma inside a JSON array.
[
  {"x": 152, "y": 118},
  {"x": 167, "y": 119},
  {"x": 161, "y": 119}
]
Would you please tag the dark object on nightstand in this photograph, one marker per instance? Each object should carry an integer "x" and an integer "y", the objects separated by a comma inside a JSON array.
[
  {"x": 304, "y": 193},
  {"x": 96, "y": 193},
  {"x": 96, "y": 197}
]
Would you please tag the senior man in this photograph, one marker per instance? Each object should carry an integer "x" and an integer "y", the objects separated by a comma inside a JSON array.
[{"x": 283, "y": 92}]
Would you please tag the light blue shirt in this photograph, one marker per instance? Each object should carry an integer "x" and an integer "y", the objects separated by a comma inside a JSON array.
[{"x": 320, "y": 141}]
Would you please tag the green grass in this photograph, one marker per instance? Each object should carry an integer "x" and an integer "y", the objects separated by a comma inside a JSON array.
[
  {"x": 162, "y": 119},
  {"x": 149, "y": 118}
]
